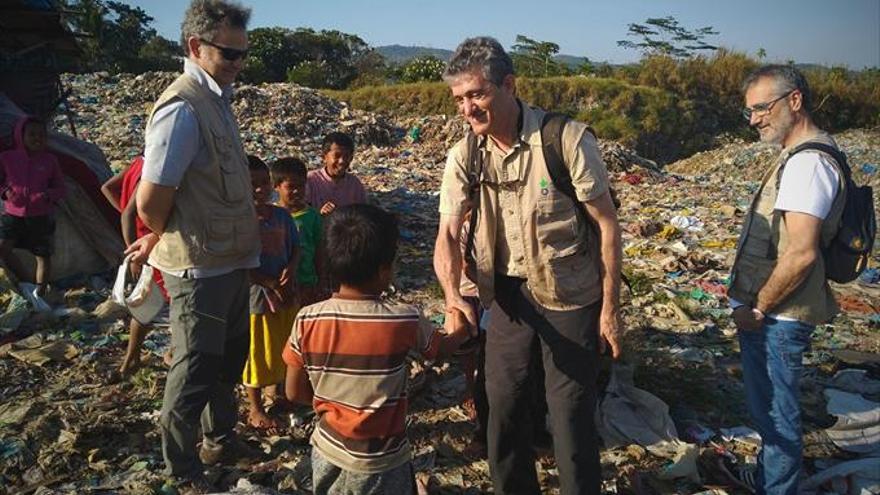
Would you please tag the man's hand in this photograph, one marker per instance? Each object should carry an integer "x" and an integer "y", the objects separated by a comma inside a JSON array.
[
  {"x": 142, "y": 247},
  {"x": 460, "y": 305},
  {"x": 459, "y": 326},
  {"x": 134, "y": 268},
  {"x": 748, "y": 319},
  {"x": 610, "y": 331},
  {"x": 328, "y": 208}
]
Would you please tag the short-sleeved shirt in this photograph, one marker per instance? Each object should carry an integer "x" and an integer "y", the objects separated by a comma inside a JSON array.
[
  {"x": 354, "y": 351},
  {"x": 174, "y": 143},
  {"x": 308, "y": 223},
  {"x": 279, "y": 237},
  {"x": 525, "y": 223},
  {"x": 808, "y": 185},
  {"x": 321, "y": 188}
]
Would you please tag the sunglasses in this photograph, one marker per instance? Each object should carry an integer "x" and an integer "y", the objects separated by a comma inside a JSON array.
[{"x": 230, "y": 54}]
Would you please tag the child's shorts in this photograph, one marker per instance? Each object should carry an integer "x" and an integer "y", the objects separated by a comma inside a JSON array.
[
  {"x": 331, "y": 479},
  {"x": 35, "y": 234}
]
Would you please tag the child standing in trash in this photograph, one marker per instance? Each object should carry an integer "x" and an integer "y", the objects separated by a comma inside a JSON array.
[
  {"x": 347, "y": 357},
  {"x": 333, "y": 186},
  {"x": 31, "y": 184},
  {"x": 120, "y": 192},
  {"x": 289, "y": 179},
  {"x": 273, "y": 303}
]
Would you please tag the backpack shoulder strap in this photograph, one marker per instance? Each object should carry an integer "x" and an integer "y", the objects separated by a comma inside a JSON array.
[
  {"x": 474, "y": 172},
  {"x": 839, "y": 157},
  {"x": 551, "y": 142}
]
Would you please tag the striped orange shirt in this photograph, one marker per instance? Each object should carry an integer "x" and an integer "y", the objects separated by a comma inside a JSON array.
[{"x": 354, "y": 351}]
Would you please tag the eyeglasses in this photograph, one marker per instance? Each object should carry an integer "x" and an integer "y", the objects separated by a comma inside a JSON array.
[
  {"x": 762, "y": 108},
  {"x": 230, "y": 54}
]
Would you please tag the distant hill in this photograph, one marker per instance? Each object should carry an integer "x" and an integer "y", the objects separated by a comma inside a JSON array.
[
  {"x": 570, "y": 60},
  {"x": 400, "y": 54}
]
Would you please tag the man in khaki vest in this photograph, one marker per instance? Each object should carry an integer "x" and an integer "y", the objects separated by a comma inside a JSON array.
[
  {"x": 545, "y": 277},
  {"x": 778, "y": 290},
  {"x": 195, "y": 195}
]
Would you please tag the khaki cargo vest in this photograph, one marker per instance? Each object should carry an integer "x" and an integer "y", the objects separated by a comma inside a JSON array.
[
  {"x": 763, "y": 238},
  {"x": 212, "y": 223},
  {"x": 562, "y": 264}
]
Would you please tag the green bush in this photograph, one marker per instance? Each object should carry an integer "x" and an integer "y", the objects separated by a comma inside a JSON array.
[
  {"x": 639, "y": 116},
  {"x": 665, "y": 108},
  {"x": 415, "y": 99}
]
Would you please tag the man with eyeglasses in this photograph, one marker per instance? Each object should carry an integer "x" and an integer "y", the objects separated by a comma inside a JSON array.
[
  {"x": 550, "y": 281},
  {"x": 195, "y": 195},
  {"x": 778, "y": 290}
]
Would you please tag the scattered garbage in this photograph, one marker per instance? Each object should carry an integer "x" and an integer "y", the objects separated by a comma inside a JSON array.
[{"x": 64, "y": 429}]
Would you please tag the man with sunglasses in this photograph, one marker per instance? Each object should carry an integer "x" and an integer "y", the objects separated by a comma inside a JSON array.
[
  {"x": 195, "y": 195},
  {"x": 778, "y": 290},
  {"x": 551, "y": 282}
]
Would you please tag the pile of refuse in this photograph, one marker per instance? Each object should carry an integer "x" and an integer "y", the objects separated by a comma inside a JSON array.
[
  {"x": 275, "y": 119},
  {"x": 65, "y": 429}
]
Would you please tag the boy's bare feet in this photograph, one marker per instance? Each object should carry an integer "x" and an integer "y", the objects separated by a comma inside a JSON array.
[
  {"x": 261, "y": 421},
  {"x": 129, "y": 366}
]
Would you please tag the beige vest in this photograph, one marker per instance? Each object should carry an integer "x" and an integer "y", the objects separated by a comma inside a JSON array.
[
  {"x": 212, "y": 223},
  {"x": 561, "y": 263},
  {"x": 764, "y": 237}
]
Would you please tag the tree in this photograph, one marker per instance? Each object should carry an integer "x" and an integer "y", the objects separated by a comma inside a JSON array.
[
  {"x": 160, "y": 53},
  {"x": 665, "y": 36},
  {"x": 532, "y": 58},
  {"x": 586, "y": 67},
  {"x": 762, "y": 53},
  {"x": 272, "y": 53},
  {"x": 371, "y": 69},
  {"x": 319, "y": 59},
  {"x": 118, "y": 37}
]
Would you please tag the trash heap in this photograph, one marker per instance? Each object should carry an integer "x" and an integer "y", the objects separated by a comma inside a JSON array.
[
  {"x": 275, "y": 119},
  {"x": 64, "y": 429}
]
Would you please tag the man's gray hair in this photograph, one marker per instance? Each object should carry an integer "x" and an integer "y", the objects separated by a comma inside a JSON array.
[
  {"x": 483, "y": 54},
  {"x": 787, "y": 78},
  {"x": 204, "y": 17}
]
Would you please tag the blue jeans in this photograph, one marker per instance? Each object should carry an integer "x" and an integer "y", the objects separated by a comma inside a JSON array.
[{"x": 772, "y": 360}]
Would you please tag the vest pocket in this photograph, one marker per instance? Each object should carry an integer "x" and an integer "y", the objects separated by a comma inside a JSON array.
[
  {"x": 231, "y": 236},
  {"x": 569, "y": 275},
  {"x": 221, "y": 237},
  {"x": 231, "y": 169},
  {"x": 556, "y": 226},
  {"x": 759, "y": 237},
  {"x": 750, "y": 275}
]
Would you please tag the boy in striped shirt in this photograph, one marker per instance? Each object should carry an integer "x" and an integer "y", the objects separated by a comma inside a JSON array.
[{"x": 347, "y": 357}]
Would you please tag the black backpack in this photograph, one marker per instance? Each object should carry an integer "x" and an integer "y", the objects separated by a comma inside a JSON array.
[{"x": 846, "y": 257}]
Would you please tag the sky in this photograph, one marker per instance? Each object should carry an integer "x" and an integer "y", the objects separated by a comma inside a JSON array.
[{"x": 827, "y": 32}]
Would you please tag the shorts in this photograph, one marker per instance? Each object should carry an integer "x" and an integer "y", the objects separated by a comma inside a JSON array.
[
  {"x": 330, "y": 479},
  {"x": 35, "y": 234}
]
